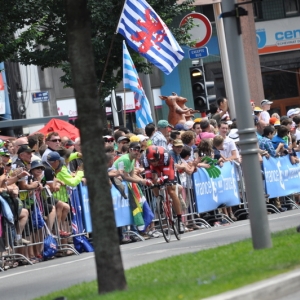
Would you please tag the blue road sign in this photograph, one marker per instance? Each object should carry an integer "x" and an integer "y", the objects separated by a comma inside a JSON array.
[
  {"x": 198, "y": 53},
  {"x": 40, "y": 97}
]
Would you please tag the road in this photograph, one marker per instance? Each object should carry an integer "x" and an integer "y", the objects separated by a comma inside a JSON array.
[{"x": 29, "y": 282}]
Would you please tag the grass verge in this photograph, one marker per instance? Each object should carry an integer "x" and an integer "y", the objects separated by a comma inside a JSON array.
[{"x": 200, "y": 274}]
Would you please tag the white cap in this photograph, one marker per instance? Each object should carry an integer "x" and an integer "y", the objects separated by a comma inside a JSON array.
[
  {"x": 234, "y": 135},
  {"x": 188, "y": 125},
  {"x": 142, "y": 137},
  {"x": 265, "y": 101}
]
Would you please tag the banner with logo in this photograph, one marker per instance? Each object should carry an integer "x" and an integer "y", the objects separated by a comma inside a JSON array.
[
  {"x": 281, "y": 177},
  {"x": 211, "y": 193},
  {"x": 123, "y": 215},
  {"x": 278, "y": 35}
]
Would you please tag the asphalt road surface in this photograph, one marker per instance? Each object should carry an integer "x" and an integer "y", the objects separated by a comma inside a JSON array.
[{"x": 29, "y": 282}]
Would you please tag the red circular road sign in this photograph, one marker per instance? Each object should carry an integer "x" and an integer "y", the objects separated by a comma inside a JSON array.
[{"x": 201, "y": 33}]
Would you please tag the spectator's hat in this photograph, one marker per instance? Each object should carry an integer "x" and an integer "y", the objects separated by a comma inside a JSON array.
[
  {"x": 188, "y": 125},
  {"x": 24, "y": 148},
  {"x": 9, "y": 162},
  {"x": 135, "y": 145},
  {"x": 257, "y": 109},
  {"x": 4, "y": 152},
  {"x": 277, "y": 123},
  {"x": 135, "y": 138},
  {"x": 292, "y": 112},
  {"x": 123, "y": 138},
  {"x": 229, "y": 122},
  {"x": 234, "y": 135},
  {"x": 108, "y": 137},
  {"x": 164, "y": 124},
  {"x": 265, "y": 102},
  {"x": 179, "y": 127},
  {"x": 197, "y": 120},
  {"x": 53, "y": 156},
  {"x": 177, "y": 143},
  {"x": 37, "y": 164},
  {"x": 273, "y": 120},
  {"x": 69, "y": 144},
  {"x": 143, "y": 137}
]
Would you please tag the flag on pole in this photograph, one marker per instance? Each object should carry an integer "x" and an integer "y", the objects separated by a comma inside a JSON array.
[
  {"x": 132, "y": 81},
  {"x": 148, "y": 35}
]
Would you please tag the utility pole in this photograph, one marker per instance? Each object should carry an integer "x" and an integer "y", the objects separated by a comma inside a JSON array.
[{"x": 248, "y": 141}]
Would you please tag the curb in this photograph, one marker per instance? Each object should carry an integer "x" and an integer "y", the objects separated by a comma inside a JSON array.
[{"x": 273, "y": 288}]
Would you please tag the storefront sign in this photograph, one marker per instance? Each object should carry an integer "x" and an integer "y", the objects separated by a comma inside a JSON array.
[
  {"x": 278, "y": 35},
  {"x": 67, "y": 107}
]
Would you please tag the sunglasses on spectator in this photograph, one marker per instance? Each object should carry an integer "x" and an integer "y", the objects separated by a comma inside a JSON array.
[
  {"x": 39, "y": 168},
  {"x": 135, "y": 149},
  {"x": 108, "y": 140},
  {"x": 55, "y": 140}
]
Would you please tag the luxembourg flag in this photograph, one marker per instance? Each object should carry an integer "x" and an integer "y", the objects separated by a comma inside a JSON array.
[
  {"x": 147, "y": 34},
  {"x": 132, "y": 81}
]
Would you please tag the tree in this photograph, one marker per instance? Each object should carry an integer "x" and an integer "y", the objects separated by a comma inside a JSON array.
[
  {"x": 110, "y": 273},
  {"x": 43, "y": 41}
]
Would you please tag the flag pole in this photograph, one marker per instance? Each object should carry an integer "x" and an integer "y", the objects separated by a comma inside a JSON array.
[{"x": 124, "y": 107}]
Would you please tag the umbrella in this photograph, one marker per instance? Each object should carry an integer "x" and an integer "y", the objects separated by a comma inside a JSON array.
[{"x": 63, "y": 128}]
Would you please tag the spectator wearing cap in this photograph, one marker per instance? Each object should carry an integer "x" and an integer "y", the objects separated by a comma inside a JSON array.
[
  {"x": 265, "y": 105},
  {"x": 219, "y": 110},
  {"x": 53, "y": 142},
  {"x": 257, "y": 111},
  {"x": 206, "y": 131},
  {"x": 159, "y": 138},
  {"x": 143, "y": 141},
  {"x": 188, "y": 125},
  {"x": 122, "y": 140},
  {"x": 273, "y": 120},
  {"x": 4, "y": 155},
  {"x": 52, "y": 167},
  {"x": 179, "y": 127}
]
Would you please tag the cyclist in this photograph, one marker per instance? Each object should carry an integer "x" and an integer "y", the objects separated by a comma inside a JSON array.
[{"x": 158, "y": 160}]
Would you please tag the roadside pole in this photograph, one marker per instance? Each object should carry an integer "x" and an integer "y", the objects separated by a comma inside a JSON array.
[{"x": 248, "y": 141}]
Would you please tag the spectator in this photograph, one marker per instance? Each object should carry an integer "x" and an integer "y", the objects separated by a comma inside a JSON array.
[
  {"x": 206, "y": 132},
  {"x": 265, "y": 143},
  {"x": 53, "y": 141},
  {"x": 159, "y": 138},
  {"x": 17, "y": 143},
  {"x": 296, "y": 119},
  {"x": 265, "y": 105},
  {"x": 196, "y": 128},
  {"x": 282, "y": 131},
  {"x": 260, "y": 125},
  {"x": 174, "y": 135},
  {"x": 188, "y": 139},
  {"x": 33, "y": 143},
  {"x": 122, "y": 140},
  {"x": 220, "y": 111}
]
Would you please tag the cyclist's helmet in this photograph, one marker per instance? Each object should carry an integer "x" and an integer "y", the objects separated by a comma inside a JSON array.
[{"x": 152, "y": 153}]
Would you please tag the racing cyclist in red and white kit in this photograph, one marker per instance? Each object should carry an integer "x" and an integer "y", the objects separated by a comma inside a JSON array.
[{"x": 158, "y": 160}]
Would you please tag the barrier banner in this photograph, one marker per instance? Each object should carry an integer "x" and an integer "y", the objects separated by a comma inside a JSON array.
[
  {"x": 210, "y": 193},
  {"x": 85, "y": 206},
  {"x": 77, "y": 224},
  {"x": 123, "y": 215},
  {"x": 281, "y": 177}
]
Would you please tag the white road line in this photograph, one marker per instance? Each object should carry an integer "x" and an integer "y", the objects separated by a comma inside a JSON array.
[{"x": 48, "y": 267}]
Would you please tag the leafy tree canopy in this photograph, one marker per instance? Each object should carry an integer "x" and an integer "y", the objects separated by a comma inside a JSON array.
[{"x": 34, "y": 32}]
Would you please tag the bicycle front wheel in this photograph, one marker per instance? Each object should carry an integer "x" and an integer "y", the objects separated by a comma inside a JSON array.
[
  {"x": 164, "y": 221},
  {"x": 175, "y": 224}
]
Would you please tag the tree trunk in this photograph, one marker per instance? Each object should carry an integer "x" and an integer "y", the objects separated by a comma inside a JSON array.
[{"x": 110, "y": 272}]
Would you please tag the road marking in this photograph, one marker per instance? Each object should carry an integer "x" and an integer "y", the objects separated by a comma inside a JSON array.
[{"x": 48, "y": 267}]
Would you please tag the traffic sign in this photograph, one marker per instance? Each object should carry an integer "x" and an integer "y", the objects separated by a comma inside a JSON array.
[
  {"x": 40, "y": 97},
  {"x": 198, "y": 53},
  {"x": 201, "y": 33}
]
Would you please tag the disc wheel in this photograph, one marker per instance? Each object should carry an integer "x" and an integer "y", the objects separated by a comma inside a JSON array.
[
  {"x": 175, "y": 224},
  {"x": 164, "y": 222}
]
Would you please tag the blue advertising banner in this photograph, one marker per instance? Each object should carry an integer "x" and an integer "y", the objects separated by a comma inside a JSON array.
[
  {"x": 85, "y": 206},
  {"x": 123, "y": 215},
  {"x": 210, "y": 193},
  {"x": 281, "y": 177}
]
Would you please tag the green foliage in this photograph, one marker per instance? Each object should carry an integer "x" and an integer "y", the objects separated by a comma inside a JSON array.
[{"x": 40, "y": 31}]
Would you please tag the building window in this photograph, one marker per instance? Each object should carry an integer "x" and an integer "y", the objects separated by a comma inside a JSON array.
[
  {"x": 257, "y": 10},
  {"x": 280, "y": 84},
  {"x": 291, "y": 7}
]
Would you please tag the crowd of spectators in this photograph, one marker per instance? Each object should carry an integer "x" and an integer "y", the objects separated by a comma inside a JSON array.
[{"x": 37, "y": 162}]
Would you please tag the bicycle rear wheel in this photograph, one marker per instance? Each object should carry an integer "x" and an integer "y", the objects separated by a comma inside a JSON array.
[
  {"x": 164, "y": 222},
  {"x": 175, "y": 224}
]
